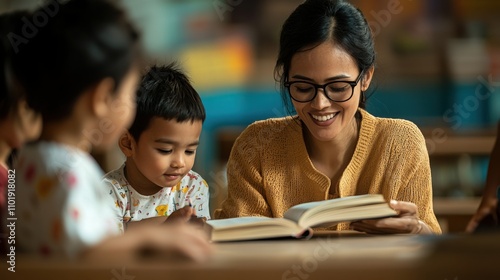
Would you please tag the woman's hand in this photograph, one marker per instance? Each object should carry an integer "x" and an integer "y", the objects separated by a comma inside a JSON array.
[{"x": 407, "y": 221}]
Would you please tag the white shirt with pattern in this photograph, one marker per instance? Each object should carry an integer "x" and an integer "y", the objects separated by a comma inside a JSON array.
[
  {"x": 61, "y": 202},
  {"x": 129, "y": 205}
]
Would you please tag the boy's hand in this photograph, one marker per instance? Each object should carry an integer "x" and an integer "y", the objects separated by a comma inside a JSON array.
[
  {"x": 187, "y": 214},
  {"x": 184, "y": 214}
]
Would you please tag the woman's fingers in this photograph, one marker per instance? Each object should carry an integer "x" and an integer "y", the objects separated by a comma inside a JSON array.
[
  {"x": 389, "y": 225},
  {"x": 404, "y": 208},
  {"x": 406, "y": 222}
]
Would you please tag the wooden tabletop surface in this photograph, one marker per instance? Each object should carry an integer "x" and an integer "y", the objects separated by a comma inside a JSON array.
[{"x": 326, "y": 256}]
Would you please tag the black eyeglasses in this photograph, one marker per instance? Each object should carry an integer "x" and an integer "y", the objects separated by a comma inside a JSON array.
[{"x": 338, "y": 91}]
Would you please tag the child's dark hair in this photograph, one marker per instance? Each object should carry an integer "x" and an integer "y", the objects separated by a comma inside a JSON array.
[
  {"x": 83, "y": 43},
  {"x": 9, "y": 23},
  {"x": 166, "y": 92}
]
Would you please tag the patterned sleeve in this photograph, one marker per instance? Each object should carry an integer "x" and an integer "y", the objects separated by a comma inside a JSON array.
[
  {"x": 65, "y": 214},
  {"x": 117, "y": 199},
  {"x": 198, "y": 194},
  {"x": 86, "y": 218}
]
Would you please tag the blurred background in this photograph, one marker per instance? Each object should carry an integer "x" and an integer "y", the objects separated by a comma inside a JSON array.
[{"x": 438, "y": 65}]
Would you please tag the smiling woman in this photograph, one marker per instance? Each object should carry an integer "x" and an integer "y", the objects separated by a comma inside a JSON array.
[{"x": 332, "y": 147}]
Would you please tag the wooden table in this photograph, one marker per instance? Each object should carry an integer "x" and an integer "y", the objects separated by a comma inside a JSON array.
[{"x": 324, "y": 257}]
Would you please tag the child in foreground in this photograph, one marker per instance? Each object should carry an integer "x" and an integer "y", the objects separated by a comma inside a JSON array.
[
  {"x": 156, "y": 183},
  {"x": 18, "y": 122},
  {"x": 84, "y": 69}
]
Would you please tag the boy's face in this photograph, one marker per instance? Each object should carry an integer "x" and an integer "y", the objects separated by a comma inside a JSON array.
[{"x": 166, "y": 150}]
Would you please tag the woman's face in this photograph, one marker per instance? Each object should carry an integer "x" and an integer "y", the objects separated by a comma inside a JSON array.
[{"x": 326, "y": 119}]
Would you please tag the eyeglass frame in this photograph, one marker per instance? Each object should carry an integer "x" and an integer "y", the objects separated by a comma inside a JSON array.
[{"x": 353, "y": 84}]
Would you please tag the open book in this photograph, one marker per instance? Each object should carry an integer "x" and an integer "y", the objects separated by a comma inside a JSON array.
[{"x": 299, "y": 219}]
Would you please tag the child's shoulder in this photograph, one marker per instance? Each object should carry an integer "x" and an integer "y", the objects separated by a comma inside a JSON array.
[
  {"x": 116, "y": 177},
  {"x": 48, "y": 150},
  {"x": 51, "y": 155},
  {"x": 55, "y": 165},
  {"x": 192, "y": 177}
]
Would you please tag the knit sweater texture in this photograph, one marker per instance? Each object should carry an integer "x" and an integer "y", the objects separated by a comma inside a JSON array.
[{"x": 269, "y": 169}]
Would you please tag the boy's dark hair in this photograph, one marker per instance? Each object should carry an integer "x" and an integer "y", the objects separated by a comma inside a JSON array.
[
  {"x": 9, "y": 23},
  {"x": 166, "y": 92},
  {"x": 82, "y": 42}
]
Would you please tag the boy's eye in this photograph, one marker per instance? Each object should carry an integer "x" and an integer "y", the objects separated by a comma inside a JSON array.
[
  {"x": 190, "y": 152},
  {"x": 164, "y": 152}
]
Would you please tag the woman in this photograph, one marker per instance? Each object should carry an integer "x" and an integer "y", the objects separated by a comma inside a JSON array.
[{"x": 333, "y": 147}]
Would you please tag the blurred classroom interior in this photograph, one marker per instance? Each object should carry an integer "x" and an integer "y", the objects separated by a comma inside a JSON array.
[{"x": 438, "y": 66}]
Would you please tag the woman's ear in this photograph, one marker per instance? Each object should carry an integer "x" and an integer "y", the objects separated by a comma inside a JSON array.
[
  {"x": 367, "y": 79},
  {"x": 101, "y": 97},
  {"x": 127, "y": 144}
]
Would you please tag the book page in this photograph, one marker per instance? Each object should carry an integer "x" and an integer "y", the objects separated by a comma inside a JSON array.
[
  {"x": 302, "y": 211},
  {"x": 330, "y": 217},
  {"x": 236, "y": 222},
  {"x": 248, "y": 228}
]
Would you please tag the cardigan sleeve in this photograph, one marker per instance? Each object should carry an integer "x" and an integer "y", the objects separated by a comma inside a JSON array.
[
  {"x": 418, "y": 188},
  {"x": 419, "y": 191},
  {"x": 246, "y": 195}
]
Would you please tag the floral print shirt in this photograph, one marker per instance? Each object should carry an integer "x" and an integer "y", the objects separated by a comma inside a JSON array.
[
  {"x": 61, "y": 203},
  {"x": 129, "y": 205}
]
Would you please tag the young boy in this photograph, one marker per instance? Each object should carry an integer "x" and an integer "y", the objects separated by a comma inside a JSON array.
[{"x": 156, "y": 183}]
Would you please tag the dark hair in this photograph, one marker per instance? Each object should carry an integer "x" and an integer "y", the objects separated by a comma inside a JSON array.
[
  {"x": 83, "y": 42},
  {"x": 9, "y": 23},
  {"x": 166, "y": 92},
  {"x": 315, "y": 22}
]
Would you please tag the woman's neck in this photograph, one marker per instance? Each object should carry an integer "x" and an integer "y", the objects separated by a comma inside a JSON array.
[{"x": 337, "y": 152}]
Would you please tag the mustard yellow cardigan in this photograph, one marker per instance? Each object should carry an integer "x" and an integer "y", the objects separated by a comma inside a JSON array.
[{"x": 269, "y": 169}]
